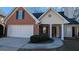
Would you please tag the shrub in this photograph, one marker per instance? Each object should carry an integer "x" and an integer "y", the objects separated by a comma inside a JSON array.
[
  {"x": 39, "y": 38},
  {"x": 34, "y": 38}
]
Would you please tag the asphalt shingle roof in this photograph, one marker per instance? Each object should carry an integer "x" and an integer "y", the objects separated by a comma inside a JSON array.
[
  {"x": 37, "y": 15},
  {"x": 71, "y": 20}
]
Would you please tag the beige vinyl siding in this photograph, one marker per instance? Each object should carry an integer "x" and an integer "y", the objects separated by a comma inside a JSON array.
[
  {"x": 54, "y": 19},
  {"x": 68, "y": 30}
]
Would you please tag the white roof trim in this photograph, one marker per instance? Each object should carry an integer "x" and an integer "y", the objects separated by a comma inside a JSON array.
[
  {"x": 15, "y": 9},
  {"x": 37, "y": 21},
  {"x": 43, "y": 14},
  {"x": 55, "y": 12}
]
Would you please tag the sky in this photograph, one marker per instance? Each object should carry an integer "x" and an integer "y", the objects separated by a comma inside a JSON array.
[{"x": 7, "y": 10}]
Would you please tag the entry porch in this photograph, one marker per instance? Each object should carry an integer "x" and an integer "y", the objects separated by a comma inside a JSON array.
[{"x": 52, "y": 30}]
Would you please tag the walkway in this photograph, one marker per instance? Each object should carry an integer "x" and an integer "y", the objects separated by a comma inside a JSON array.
[{"x": 56, "y": 44}]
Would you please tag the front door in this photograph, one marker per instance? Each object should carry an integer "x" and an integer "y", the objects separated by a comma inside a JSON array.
[
  {"x": 1, "y": 30},
  {"x": 44, "y": 29},
  {"x": 53, "y": 31},
  {"x": 73, "y": 31}
]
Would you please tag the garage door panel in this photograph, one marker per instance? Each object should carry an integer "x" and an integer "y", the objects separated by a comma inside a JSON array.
[{"x": 20, "y": 30}]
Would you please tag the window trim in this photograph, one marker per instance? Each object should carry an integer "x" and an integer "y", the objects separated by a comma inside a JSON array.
[{"x": 18, "y": 16}]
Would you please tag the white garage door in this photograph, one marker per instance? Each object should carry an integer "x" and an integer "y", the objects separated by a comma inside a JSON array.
[{"x": 20, "y": 31}]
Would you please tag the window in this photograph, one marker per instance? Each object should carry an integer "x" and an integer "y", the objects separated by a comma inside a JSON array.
[
  {"x": 44, "y": 29},
  {"x": 20, "y": 15}
]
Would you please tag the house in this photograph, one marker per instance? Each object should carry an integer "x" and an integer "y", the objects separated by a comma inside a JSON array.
[
  {"x": 22, "y": 23},
  {"x": 2, "y": 18},
  {"x": 2, "y": 25}
]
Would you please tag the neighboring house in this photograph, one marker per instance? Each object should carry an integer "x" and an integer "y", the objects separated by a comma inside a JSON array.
[
  {"x": 2, "y": 25},
  {"x": 2, "y": 19},
  {"x": 22, "y": 23},
  {"x": 72, "y": 28}
]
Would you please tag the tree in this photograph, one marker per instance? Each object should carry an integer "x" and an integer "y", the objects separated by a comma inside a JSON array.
[{"x": 76, "y": 14}]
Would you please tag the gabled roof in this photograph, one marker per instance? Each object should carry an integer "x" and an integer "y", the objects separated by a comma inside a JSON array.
[
  {"x": 71, "y": 20},
  {"x": 37, "y": 16},
  {"x": 54, "y": 12},
  {"x": 15, "y": 9}
]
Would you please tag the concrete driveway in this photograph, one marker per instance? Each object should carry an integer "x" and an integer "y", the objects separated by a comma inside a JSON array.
[{"x": 12, "y": 44}]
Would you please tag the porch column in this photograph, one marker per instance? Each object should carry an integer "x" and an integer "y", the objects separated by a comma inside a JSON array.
[
  {"x": 50, "y": 30},
  {"x": 62, "y": 31},
  {"x": 77, "y": 31}
]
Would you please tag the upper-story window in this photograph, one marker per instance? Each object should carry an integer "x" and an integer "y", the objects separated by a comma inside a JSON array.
[{"x": 20, "y": 15}]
